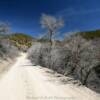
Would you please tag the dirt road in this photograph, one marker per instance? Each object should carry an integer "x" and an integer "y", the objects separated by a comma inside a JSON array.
[{"x": 24, "y": 81}]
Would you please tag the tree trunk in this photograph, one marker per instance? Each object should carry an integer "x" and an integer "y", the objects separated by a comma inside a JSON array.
[
  {"x": 50, "y": 40},
  {"x": 71, "y": 72},
  {"x": 81, "y": 74},
  {"x": 50, "y": 37},
  {"x": 86, "y": 77}
]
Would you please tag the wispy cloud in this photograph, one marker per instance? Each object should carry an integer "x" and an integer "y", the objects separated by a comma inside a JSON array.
[
  {"x": 73, "y": 12},
  {"x": 75, "y": 23}
]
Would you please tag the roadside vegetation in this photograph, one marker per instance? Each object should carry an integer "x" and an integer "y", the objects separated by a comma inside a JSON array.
[
  {"x": 7, "y": 49},
  {"x": 77, "y": 55},
  {"x": 11, "y": 45},
  {"x": 21, "y": 41}
]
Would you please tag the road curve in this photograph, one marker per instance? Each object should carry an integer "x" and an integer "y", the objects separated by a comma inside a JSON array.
[{"x": 24, "y": 81}]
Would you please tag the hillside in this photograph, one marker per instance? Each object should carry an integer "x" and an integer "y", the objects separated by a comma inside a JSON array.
[
  {"x": 91, "y": 34},
  {"x": 21, "y": 40}
]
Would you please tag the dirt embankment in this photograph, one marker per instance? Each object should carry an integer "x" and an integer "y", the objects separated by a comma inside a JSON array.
[{"x": 5, "y": 65}]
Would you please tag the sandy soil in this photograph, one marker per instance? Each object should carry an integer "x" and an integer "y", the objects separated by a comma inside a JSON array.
[{"x": 25, "y": 81}]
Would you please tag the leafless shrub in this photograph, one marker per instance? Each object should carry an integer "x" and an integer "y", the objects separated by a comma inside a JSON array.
[
  {"x": 83, "y": 57},
  {"x": 59, "y": 59},
  {"x": 39, "y": 53},
  {"x": 4, "y": 28},
  {"x": 7, "y": 50},
  {"x": 34, "y": 53},
  {"x": 77, "y": 57}
]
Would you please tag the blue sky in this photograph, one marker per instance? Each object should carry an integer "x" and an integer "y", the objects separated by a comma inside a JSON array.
[{"x": 24, "y": 15}]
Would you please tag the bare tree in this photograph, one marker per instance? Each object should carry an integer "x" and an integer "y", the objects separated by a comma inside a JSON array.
[
  {"x": 52, "y": 24},
  {"x": 4, "y": 28},
  {"x": 7, "y": 49}
]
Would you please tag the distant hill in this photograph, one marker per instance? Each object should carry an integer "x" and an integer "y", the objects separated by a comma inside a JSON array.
[
  {"x": 21, "y": 40},
  {"x": 91, "y": 34}
]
